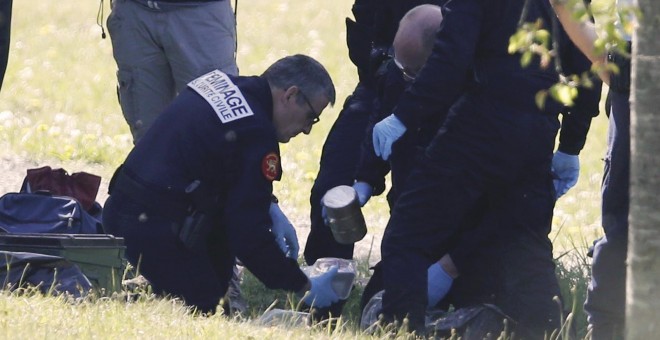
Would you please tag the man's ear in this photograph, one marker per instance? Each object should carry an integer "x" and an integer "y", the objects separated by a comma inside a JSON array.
[{"x": 291, "y": 92}]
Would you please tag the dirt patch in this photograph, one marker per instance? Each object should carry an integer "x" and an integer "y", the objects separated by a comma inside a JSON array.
[{"x": 13, "y": 171}]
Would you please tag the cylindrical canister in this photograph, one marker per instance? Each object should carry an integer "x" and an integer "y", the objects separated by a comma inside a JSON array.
[{"x": 344, "y": 214}]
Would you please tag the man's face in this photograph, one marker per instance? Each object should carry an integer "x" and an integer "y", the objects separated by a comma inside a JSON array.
[
  {"x": 297, "y": 113},
  {"x": 409, "y": 61},
  {"x": 409, "y": 52}
]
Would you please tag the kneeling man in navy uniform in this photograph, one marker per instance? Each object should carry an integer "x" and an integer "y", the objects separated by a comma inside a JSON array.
[{"x": 195, "y": 192}]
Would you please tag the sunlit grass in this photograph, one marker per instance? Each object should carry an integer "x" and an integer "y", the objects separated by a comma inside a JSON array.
[{"x": 32, "y": 316}]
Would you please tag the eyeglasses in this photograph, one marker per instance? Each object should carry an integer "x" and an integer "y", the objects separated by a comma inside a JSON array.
[
  {"x": 408, "y": 75},
  {"x": 313, "y": 116}
]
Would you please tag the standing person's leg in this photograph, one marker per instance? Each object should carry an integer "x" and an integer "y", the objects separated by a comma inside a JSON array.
[
  {"x": 530, "y": 283},
  {"x": 445, "y": 185},
  {"x": 5, "y": 35},
  {"x": 426, "y": 215},
  {"x": 200, "y": 39},
  {"x": 605, "y": 303},
  {"x": 339, "y": 160},
  {"x": 145, "y": 82},
  {"x": 481, "y": 152}
]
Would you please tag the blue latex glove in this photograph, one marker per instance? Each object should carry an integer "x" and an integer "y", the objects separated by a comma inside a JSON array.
[
  {"x": 386, "y": 132},
  {"x": 439, "y": 283},
  {"x": 566, "y": 169},
  {"x": 285, "y": 233},
  {"x": 364, "y": 191},
  {"x": 321, "y": 294}
]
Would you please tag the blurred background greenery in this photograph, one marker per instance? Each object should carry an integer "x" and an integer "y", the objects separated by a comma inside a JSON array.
[{"x": 58, "y": 105}]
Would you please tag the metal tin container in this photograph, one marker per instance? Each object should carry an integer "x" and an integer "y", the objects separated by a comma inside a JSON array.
[
  {"x": 344, "y": 214},
  {"x": 342, "y": 283}
]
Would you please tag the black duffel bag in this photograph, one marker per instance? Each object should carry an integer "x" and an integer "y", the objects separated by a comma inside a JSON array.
[
  {"x": 50, "y": 274},
  {"x": 45, "y": 213}
]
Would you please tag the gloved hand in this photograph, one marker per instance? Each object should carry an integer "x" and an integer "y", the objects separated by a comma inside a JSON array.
[
  {"x": 321, "y": 294},
  {"x": 566, "y": 169},
  {"x": 364, "y": 191},
  {"x": 386, "y": 132},
  {"x": 285, "y": 234},
  {"x": 439, "y": 283}
]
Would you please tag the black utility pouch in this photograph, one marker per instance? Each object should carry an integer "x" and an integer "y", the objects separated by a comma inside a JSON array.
[
  {"x": 196, "y": 226},
  {"x": 194, "y": 231}
]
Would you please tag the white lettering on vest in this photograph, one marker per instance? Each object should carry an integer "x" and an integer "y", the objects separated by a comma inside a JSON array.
[{"x": 223, "y": 95}]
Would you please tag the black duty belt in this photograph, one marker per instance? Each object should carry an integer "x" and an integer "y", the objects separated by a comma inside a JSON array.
[
  {"x": 160, "y": 5},
  {"x": 169, "y": 204}
]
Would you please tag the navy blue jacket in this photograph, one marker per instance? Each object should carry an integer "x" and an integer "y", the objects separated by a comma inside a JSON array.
[
  {"x": 475, "y": 34},
  {"x": 450, "y": 71},
  {"x": 576, "y": 119},
  {"x": 237, "y": 160}
]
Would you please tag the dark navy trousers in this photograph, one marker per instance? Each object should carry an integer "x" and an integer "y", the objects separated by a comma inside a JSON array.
[
  {"x": 605, "y": 303},
  {"x": 339, "y": 161},
  {"x": 199, "y": 277},
  {"x": 487, "y": 151}
]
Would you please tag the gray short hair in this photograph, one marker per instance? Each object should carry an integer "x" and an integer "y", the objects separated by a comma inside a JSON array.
[{"x": 304, "y": 72}]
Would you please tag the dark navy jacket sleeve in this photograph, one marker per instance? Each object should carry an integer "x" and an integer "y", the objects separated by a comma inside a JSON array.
[
  {"x": 371, "y": 168},
  {"x": 227, "y": 157},
  {"x": 577, "y": 119},
  {"x": 444, "y": 76},
  {"x": 247, "y": 218},
  {"x": 250, "y": 162}
]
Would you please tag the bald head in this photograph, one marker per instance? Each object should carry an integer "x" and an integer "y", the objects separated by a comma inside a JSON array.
[{"x": 414, "y": 39}]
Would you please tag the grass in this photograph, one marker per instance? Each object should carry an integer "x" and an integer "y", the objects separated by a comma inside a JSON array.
[
  {"x": 58, "y": 106},
  {"x": 32, "y": 316}
]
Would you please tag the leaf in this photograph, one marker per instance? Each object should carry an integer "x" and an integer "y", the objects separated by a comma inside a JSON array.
[
  {"x": 542, "y": 36},
  {"x": 563, "y": 93},
  {"x": 585, "y": 80},
  {"x": 517, "y": 41},
  {"x": 540, "y": 99},
  {"x": 526, "y": 58}
]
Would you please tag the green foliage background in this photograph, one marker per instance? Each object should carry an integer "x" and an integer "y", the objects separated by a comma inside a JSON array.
[{"x": 58, "y": 105}]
